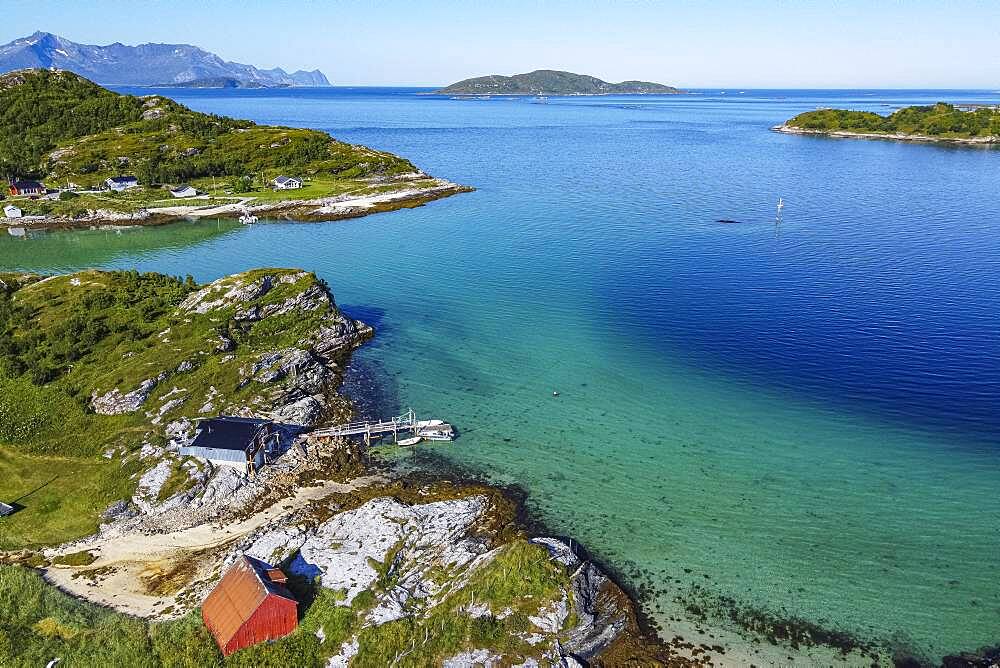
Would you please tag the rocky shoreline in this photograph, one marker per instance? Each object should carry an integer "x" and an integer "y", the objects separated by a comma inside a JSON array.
[
  {"x": 323, "y": 209},
  {"x": 396, "y": 552},
  {"x": 989, "y": 141}
]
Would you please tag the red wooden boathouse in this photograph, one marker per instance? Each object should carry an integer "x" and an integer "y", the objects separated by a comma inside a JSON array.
[{"x": 249, "y": 605}]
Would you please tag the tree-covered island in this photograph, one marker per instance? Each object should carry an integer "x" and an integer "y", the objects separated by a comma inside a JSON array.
[{"x": 938, "y": 122}]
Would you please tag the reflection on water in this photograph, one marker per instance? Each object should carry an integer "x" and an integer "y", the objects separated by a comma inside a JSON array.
[{"x": 62, "y": 250}]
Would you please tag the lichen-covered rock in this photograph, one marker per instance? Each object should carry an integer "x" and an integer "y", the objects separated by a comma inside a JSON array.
[
  {"x": 477, "y": 658},
  {"x": 150, "y": 484},
  {"x": 240, "y": 290},
  {"x": 551, "y": 618},
  {"x": 121, "y": 509},
  {"x": 306, "y": 411},
  {"x": 388, "y": 532},
  {"x": 116, "y": 403}
]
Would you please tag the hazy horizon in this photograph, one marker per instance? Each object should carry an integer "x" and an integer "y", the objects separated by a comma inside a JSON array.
[{"x": 752, "y": 45}]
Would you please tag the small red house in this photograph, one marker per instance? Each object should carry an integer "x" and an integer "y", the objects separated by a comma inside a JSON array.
[
  {"x": 249, "y": 605},
  {"x": 27, "y": 188}
]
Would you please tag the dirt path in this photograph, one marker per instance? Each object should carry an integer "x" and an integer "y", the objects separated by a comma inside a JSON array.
[{"x": 143, "y": 574}]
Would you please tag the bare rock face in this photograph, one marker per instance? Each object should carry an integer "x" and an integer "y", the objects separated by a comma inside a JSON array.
[
  {"x": 310, "y": 299},
  {"x": 241, "y": 289},
  {"x": 388, "y": 532},
  {"x": 117, "y": 403},
  {"x": 400, "y": 552},
  {"x": 305, "y": 411},
  {"x": 599, "y": 618},
  {"x": 477, "y": 658}
]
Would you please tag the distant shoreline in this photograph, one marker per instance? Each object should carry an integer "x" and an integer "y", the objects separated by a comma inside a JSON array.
[
  {"x": 543, "y": 94},
  {"x": 316, "y": 210},
  {"x": 988, "y": 142}
]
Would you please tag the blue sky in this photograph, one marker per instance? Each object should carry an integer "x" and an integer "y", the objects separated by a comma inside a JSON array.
[{"x": 725, "y": 43}]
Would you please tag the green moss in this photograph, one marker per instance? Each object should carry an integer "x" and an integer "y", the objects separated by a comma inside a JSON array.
[
  {"x": 82, "y": 558},
  {"x": 178, "y": 481}
]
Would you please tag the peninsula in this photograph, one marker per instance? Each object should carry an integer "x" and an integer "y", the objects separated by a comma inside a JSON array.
[
  {"x": 552, "y": 82},
  {"x": 111, "y": 379},
  {"x": 941, "y": 122},
  {"x": 74, "y": 154}
]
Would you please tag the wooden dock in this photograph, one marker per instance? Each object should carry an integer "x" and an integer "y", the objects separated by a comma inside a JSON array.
[{"x": 406, "y": 423}]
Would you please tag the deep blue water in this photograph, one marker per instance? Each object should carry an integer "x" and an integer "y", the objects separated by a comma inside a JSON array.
[
  {"x": 880, "y": 289},
  {"x": 802, "y": 416}
]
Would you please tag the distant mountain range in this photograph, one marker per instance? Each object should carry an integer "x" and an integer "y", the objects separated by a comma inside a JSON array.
[
  {"x": 143, "y": 65},
  {"x": 552, "y": 82}
]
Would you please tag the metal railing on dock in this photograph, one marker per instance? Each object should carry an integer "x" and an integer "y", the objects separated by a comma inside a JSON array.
[{"x": 402, "y": 423}]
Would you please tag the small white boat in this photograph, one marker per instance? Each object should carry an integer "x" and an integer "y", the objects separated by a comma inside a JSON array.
[
  {"x": 248, "y": 219},
  {"x": 437, "y": 434},
  {"x": 407, "y": 442},
  {"x": 440, "y": 431}
]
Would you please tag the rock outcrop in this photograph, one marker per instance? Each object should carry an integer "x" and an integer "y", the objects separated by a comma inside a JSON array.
[{"x": 409, "y": 559}]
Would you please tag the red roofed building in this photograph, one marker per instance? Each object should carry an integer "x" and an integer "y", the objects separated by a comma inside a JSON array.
[{"x": 249, "y": 605}]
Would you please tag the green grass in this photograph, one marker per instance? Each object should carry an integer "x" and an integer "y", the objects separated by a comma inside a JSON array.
[
  {"x": 82, "y": 558},
  {"x": 67, "y": 338},
  {"x": 314, "y": 187},
  {"x": 177, "y": 481},
  {"x": 41, "y": 623},
  {"x": 129, "y": 201},
  {"x": 62, "y": 497},
  {"x": 521, "y": 577},
  {"x": 61, "y": 127}
]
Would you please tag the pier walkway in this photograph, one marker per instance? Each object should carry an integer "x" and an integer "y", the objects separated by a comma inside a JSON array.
[{"x": 406, "y": 422}]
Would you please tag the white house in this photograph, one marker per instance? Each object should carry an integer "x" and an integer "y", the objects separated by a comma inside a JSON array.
[
  {"x": 120, "y": 183},
  {"x": 183, "y": 191},
  {"x": 287, "y": 183},
  {"x": 11, "y": 211}
]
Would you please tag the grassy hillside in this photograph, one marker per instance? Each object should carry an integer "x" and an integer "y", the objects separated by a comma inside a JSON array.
[
  {"x": 41, "y": 622},
  {"x": 551, "y": 82},
  {"x": 938, "y": 120},
  {"x": 65, "y": 339},
  {"x": 61, "y": 127}
]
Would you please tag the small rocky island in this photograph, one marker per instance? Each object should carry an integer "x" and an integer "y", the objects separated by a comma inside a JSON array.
[
  {"x": 108, "y": 376},
  {"x": 941, "y": 122},
  {"x": 74, "y": 154},
  {"x": 552, "y": 82}
]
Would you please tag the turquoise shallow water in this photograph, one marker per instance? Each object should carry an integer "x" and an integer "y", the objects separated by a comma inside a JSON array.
[{"x": 802, "y": 417}]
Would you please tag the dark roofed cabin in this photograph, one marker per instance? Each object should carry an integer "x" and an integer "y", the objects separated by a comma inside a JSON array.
[
  {"x": 234, "y": 441},
  {"x": 28, "y": 188},
  {"x": 249, "y": 605}
]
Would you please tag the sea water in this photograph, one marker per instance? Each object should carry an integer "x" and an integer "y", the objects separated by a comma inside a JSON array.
[{"x": 800, "y": 416}]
